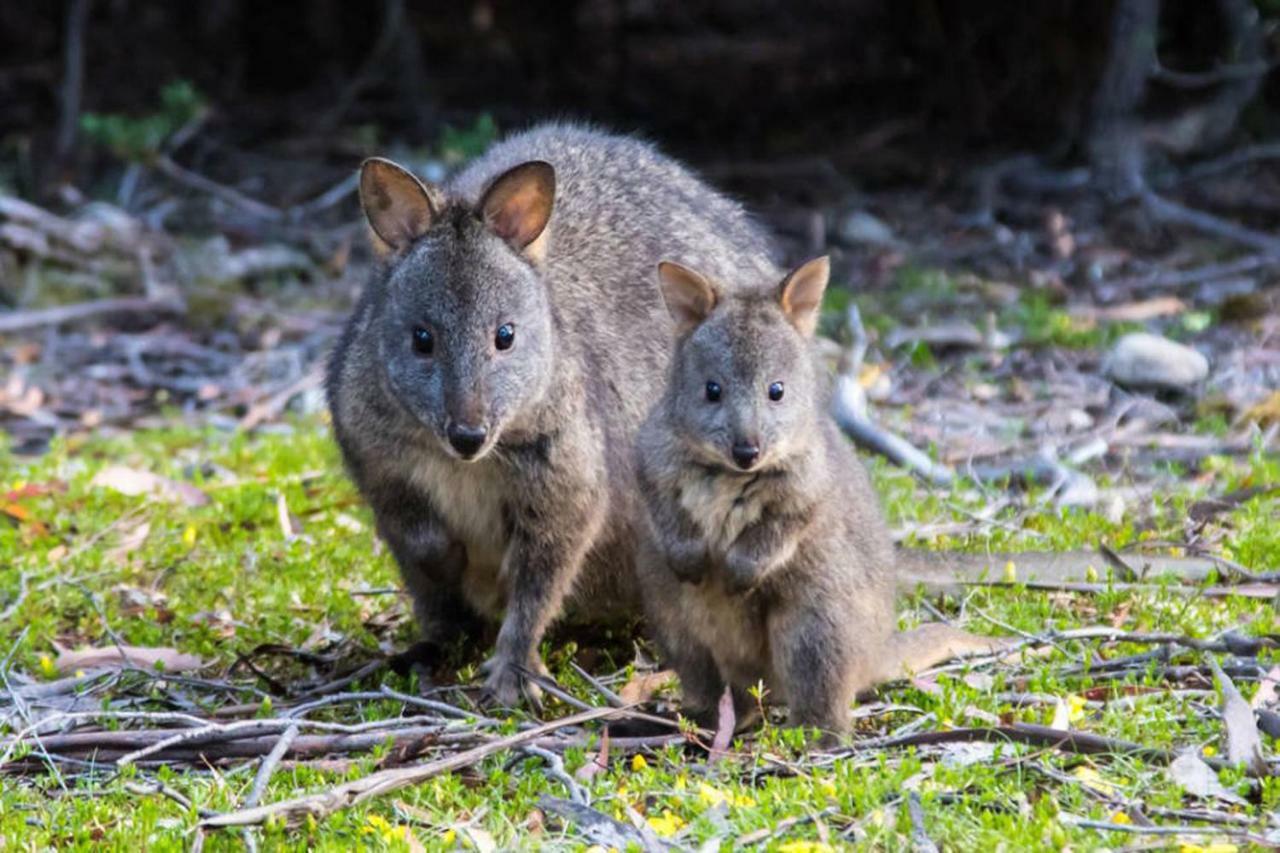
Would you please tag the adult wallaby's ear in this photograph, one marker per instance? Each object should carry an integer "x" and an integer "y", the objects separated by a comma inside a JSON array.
[
  {"x": 689, "y": 295},
  {"x": 801, "y": 294},
  {"x": 517, "y": 205},
  {"x": 397, "y": 204}
]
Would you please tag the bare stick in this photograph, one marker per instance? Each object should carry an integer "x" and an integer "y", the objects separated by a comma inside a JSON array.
[
  {"x": 19, "y": 321},
  {"x": 1169, "y": 211},
  {"x": 72, "y": 79},
  {"x": 268, "y": 766},
  {"x": 384, "y": 782},
  {"x": 166, "y": 165}
]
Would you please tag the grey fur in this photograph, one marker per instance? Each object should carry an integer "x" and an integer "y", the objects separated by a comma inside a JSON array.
[
  {"x": 547, "y": 513},
  {"x": 781, "y": 573}
]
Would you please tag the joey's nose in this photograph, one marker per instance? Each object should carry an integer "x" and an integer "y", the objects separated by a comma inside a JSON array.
[
  {"x": 745, "y": 455},
  {"x": 467, "y": 440}
]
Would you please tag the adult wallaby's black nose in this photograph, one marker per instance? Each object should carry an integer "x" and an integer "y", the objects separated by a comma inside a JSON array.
[
  {"x": 466, "y": 440},
  {"x": 745, "y": 455}
]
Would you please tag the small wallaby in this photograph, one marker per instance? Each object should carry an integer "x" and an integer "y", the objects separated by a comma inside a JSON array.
[
  {"x": 768, "y": 558},
  {"x": 488, "y": 387}
]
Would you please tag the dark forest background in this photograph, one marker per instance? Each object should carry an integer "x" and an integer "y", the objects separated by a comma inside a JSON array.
[{"x": 887, "y": 91}]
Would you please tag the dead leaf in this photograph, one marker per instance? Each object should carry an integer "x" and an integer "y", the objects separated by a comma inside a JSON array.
[
  {"x": 290, "y": 526},
  {"x": 131, "y": 538},
  {"x": 1265, "y": 412},
  {"x": 1200, "y": 780},
  {"x": 134, "y": 482},
  {"x": 1244, "y": 744},
  {"x": 1061, "y": 716},
  {"x": 1266, "y": 693},
  {"x": 22, "y": 515},
  {"x": 598, "y": 762},
  {"x": 1209, "y": 508},
  {"x": 642, "y": 687},
  {"x": 726, "y": 720},
  {"x": 481, "y": 840},
  {"x": 110, "y": 657},
  {"x": 1132, "y": 312}
]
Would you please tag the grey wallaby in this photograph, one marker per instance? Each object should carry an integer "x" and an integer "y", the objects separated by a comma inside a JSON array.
[
  {"x": 488, "y": 387},
  {"x": 768, "y": 558}
]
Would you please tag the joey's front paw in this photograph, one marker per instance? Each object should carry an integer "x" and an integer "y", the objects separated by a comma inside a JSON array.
[
  {"x": 506, "y": 683},
  {"x": 688, "y": 562},
  {"x": 742, "y": 571}
]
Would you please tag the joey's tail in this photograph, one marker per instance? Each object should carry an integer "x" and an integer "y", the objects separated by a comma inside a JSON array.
[{"x": 929, "y": 645}]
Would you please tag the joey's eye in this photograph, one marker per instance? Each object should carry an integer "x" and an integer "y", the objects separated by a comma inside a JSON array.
[
  {"x": 505, "y": 336},
  {"x": 713, "y": 392},
  {"x": 423, "y": 341},
  {"x": 775, "y": 391}
]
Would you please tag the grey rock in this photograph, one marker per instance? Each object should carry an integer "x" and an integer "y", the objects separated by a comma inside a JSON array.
[
  {"x": 1142, "y": 360},
  {"x": 860, "y": 227}
]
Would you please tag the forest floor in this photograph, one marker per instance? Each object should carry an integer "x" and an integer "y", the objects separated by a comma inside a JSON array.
[{"x": 198, "y": 615}]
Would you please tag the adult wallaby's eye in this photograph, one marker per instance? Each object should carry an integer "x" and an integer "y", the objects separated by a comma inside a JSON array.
[
  {"x": 713, "y": 392},
  {"x": 775, "y": 391},
  {"x": 423, "y": 341},
  {"x": 505, "y": 337}
]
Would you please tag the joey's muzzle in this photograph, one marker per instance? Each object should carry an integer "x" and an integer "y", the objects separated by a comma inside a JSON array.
[
  {"x": 465, "y": 440},
  {"x": 745, "y": 455}
]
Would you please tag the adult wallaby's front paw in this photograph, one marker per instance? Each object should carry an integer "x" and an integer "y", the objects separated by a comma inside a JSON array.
[{"x": 506, "y": 683}]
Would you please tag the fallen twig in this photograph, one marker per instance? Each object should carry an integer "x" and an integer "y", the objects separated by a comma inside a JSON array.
[
  {"x": 268, "y": 766},
  {"x": 21, "y": 321},
  {"x": 601, "y": 829},
  {"x": 1083, "y": 743},
  {"x": 327, "y": 802}
]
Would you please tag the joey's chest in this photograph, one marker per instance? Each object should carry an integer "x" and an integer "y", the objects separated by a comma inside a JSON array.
[
  {"x": 722, "y": 506},
  {"x": 470, "y": 500}
]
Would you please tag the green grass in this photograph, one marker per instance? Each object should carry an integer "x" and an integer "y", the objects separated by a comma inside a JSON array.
[{"x": 223, "y": 578}]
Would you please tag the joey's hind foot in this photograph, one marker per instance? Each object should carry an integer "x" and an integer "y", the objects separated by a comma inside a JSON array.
[{"x": 507, "y": 683}]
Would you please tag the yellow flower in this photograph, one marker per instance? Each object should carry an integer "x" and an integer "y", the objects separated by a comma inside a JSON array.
[
  {"x": 1090, "y": 573},
  {"x": 1209, "y": 751},
  {"x": 450, "y": 836},
  {"x": 375, "y": 824},
  {"x": 1010, "y": 572},
  {"x": 827, "y": 787},
  {"x": 666, "y": 823},
  {"x": 47, "y": 669},
  {"x": 682, "y": 782},
  {"x": 712, "y": 797},
  {"x": 1075, "y": 707},
  {"x": 1121, "y": 818},
  {"x": 1215, "y": 847},
  {"x": 804, "y": 847},
  {"x": 189, "y": 536},
  {"x": 1090, "y": 778},
  {"x": 638, "y": 762}
]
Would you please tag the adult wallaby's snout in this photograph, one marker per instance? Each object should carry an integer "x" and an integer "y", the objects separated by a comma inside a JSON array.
[{"x": 467, "y": 425}]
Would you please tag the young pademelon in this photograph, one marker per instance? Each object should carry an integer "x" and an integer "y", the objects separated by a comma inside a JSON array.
[{"x": 768, "y": 558}]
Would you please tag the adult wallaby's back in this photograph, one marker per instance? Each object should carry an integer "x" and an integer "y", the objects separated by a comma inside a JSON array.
[{"x": 488, "y": 387}]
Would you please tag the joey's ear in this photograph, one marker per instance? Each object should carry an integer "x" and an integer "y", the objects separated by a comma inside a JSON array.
[
  {"x": 801, "y": 294},
  {"x": 689, "y": 295},
  {"x": 397, "y": 204},
  {"x": 517, "y": 205}
]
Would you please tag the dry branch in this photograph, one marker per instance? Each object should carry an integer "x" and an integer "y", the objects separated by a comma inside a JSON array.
[
  {"x": 343, "y": 796},
  {"x": 21, "y": 321}
]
